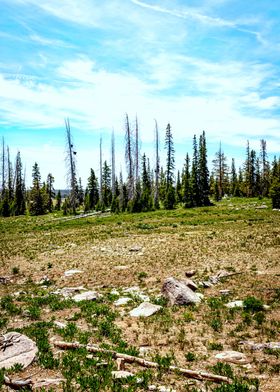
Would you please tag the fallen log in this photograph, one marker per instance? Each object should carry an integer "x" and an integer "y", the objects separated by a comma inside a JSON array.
[
  {"x": 198, "y": 375},
  {"x": 18, "y": 384}
]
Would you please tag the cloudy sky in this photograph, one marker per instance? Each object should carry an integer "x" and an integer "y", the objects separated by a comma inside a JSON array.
[{"x": 208, "y": 65}]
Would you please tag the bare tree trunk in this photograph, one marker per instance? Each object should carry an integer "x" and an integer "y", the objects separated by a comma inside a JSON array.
[
  {"x": 198, "y": 375},
  {"x": 71, "y": 170},
  {"x": 113, "y": 165},
  {"x": 3, "y": 167},
  {"x": 100, "y": 168},
  {"x": 157, "y": 168},
  {"x": 129, "y": 159},
  {"x": 136, "y": 151},
  {"x": 10, "y": 175}
]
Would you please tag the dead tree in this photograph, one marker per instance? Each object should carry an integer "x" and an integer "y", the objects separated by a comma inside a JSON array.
[
  {"x": 129, "y": 158},
  {"x": 113, "y": 164},
  {"x": 136, "y": 151},
  {"x": 100, "y": 167},
  {"x": 157, "y": 168},
  {"x": 71, "y": 167},
  {"x": 3, "y": 167}
]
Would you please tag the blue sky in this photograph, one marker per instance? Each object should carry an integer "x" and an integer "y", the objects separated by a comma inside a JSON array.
[{"x": 208, "y": 65}]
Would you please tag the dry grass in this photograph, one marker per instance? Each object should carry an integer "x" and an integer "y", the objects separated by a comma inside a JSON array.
[{"x": 234, "y": 236}]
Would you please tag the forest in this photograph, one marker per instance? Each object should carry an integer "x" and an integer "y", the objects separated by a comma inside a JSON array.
[{"x": 145, "y": 188}]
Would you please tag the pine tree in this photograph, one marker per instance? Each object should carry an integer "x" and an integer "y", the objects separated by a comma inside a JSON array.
[
  {"x": 169, "y": 200},
  {"x": 186, "y": 184},
  {"x": 196, "y": 197},
  {"x": 19, "y": 198},
  {"x": 38, "y": 194},
  {"x": 233, "y": 180},
  {"x": 106, "y": 185},
  {"x": 58, "y": 201},
  {"x": 178, "y": 193},
  {"x": 221, "y": 172},
  {"x": 146, "y": 196},
  {"x": 80, "y": 192},
  {"x": 50, "y": 191},
  {"x": 92, "y": 191},
  {"x": 203, "y": 173}
]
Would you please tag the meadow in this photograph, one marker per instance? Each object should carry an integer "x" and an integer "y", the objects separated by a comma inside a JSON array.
[{"x": 115, "y": 252}]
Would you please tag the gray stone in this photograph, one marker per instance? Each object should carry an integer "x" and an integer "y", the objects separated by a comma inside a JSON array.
[
  {"x": 86, "y": 296},
  {"x": 122, "y": 301},
  {"x": 232, "y": 357},
  {"x": 178, "y": 293},
  {"x": 190, "y": 273},
  {"x": 235, "y": 304},
  {"x": 59, "y": 325},
  {"x": 261, "y": 346},
  {"x": 117, "y": 374},
  {"x": 135, "y": 248},
  {"x": 72, "y": 272},
  {"x": 16, "y": 348},
  {"x": 145, "y": 309}
]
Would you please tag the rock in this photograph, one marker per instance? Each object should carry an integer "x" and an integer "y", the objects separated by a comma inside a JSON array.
[
  {"x": 135, "y": 248},
  {"x": 145, "y": 309},
  {"x": 45, "y": 280},
  {"x": 206, "y": 284},
  {"x": 59, "y": 325},
  {"x": 68, "y": 292},
  {"x": 263, "y": 206},
  {"x": 216, "y": 278},
  {"x": 232, "y": 357},
  {"x": 144, "y": 350},
  {"x": 114, "y": 292},
  {"x": 48, "y": 382},
  {"x": 200, "y": 295},
  {"x": 72, "y": 272},
  {"x": 160, "y": 388},
  {"x": 16, "y": 348},
  {"x": 191, "y": 284},
  {"x": 136, "y": 292},
  {"x": 234, "y": 304},
  {"x": 4, "y": 279},
  {"x": 121, "y": 267},
  {"x": 86, "y": 296},
  {"x": 225, "y": 292},
  {"x": 178, "y": 293},
  {"x": 117, "y": 374},
  {"x": 190, "y": 273},
  {"x": 261, "y": 346},
  {"x": 122, "y": 301}
]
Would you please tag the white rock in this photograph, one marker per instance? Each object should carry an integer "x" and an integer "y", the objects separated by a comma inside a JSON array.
[
  {"x": 143, "y": 351},
  {"x": 200, "y": 295},
  {"x": 48, "y": 382},
  {"x": 59, "y": 325},
  {"x": 121, "y": 267},
  {"x": 114, "y": 292},
  {"x": 72, "y": 272},
  {"x": 86, "y": 296},
  {"x": 122, "y": 301},
  {"x": 135, "y": 248},
  {"x": 22, "y": 350},
  {"x": 233, "y": 357},
  {"x": 68, "y": 292},
  {"x": 235, "y": 304},
  {"x": 121, "y": 374},
  {"x": 178, "y": 292},
  {"x": 225, "y": 292},
  {"x": 145, "y": 309}
]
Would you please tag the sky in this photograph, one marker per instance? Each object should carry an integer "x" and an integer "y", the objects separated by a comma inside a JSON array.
[{"x": 199, "y": 65}]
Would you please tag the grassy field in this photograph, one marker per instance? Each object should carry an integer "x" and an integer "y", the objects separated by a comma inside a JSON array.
[{"x": 236, "y": 235}]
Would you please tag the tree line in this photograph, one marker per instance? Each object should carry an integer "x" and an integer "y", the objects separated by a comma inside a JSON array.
[{"x": 145, "y": 188}]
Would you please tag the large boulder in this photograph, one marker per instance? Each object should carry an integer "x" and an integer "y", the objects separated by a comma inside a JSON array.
[
  {"x": 178, "y": 292},
  {"x": 16, "y": 348}
]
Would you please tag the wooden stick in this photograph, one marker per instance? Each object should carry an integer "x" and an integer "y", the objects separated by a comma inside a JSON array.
[
  {"x": 18, "y": 384},
  {"x": 198, "y": 375}
]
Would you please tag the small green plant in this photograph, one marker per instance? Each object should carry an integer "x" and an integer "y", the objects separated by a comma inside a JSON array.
[
  {"x": 223, "y": 369},
  {"x": 215, "y": 346},
  {"x": 252, "y": 304},
  {"x": 141, "y": 276},
  {"x": 216, "y": 324},
  {"x": 15, "y": 270},
  {"x": 190, "y": 357},
  {"x": 188, "y": 317}
]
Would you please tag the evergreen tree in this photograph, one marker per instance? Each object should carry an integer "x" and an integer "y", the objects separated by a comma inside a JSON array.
[
  {"x": 169, "y": 200},
  {"x": 92, "y": 191},
  {"x": 38, "y": 194},
  {"x": 162, "y": 185},
  {"x": 221, "y": 172},
  {"x": 179, "y": 195},
  {"x": 106, "y": 185},
  {"x": 186, "y": 184},
  {"x": 80, "y": 193},
  {"x": 146, "y": 196},
  {"x": 19, "y": 198},
  {"x": 195, "y": 194},
  {"x": 50, "y": 191},
  {"x": 203, "y": 173},
  {"x": 58, "y": 201},
  {"x": 233, "y": 180}
]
